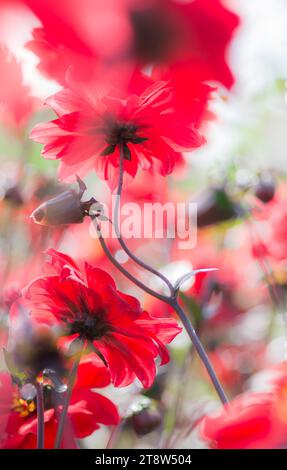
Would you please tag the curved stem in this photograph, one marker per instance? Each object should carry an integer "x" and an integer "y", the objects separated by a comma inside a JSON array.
[
  {"x": 199, "y": 349},
  {"x": 137, "y": 260},
  {"x": 126, "y": 273},
  {"x": 40, "y": 417},
  {"x": 145, "y": 266},
  {"x": 172, "y": 301},
  {"x": 67, "y": 400}
]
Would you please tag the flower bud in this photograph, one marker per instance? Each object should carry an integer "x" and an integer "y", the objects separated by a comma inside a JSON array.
[
  {"x": 146, "y": 421},
  {"x": 144, "y": 415},
  {"x": 265, "y": 188},
  {"x": 13, "y": 196},
  {"x": 64, "y": 209},
  {"x": 215, "y": 206}
]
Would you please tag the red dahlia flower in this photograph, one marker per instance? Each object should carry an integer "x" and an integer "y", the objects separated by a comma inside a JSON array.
[
  {"x": 252, "y": 420},
  {"x": 18, "y": 417},
  {"x": 91, "y": 127},
  {"x": 87, "y": 305}
]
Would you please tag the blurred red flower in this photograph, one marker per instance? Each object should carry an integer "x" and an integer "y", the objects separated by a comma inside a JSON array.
[
  {"x": 227, "y": 293},
  {"x": 18, "y": 417},
  {"x": 16, "y": 103},
  {"x": 187, "y": 42},
  {"x": 91, "y": 127},
  {"x": 234, "y": 364},
  {"x": 203, "y": 31},
  {"x": 253, "y": 420},
  {"x": 269, "y": 233},
  {"x": 83, "y": 34},
  {"x": 191, "y": 36},
  {"x": 87, "y": 305}
]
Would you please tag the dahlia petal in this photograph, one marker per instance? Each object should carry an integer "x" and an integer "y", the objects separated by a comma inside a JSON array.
[
  {"x": 89, "y": 408},
  {"x": 163, "y": 352},
  {"x": 166, "y": 329},
  {"x": 47, "y": 131},
  {"x": 30, "y": 425},
  {"x": 121, "y": 374},
  {"x": 67, "y": 172},
  {"x": 98, "y": 279},
  {"x": 59, "y": 260},
  {"x": 133, "y": 302},
  {"x": 137, "y": 357},
  {"x": 64, "y": 102},
  {"x": 92, "y": 373},
  {"x": 6, "y": 391},
  {"x": 137, "y": 334},
  {"x": 61, "y": 296}
]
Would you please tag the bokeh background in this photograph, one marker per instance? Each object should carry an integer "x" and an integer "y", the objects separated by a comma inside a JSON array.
[{"x": 238, "y": 180}]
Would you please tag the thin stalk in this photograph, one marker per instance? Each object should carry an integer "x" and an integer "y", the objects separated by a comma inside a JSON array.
[
  {"x": 172, "y": 301},
  {"x": 137, "y": 260},
  {"x": 115, "y": 434},
  {"x": 66, "y": 403},
  {"x": 40, "y": 417},
  {"x": 199, "y": 349}
]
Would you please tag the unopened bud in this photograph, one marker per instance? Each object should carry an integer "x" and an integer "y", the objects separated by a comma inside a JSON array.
[
  {"x": 146, "y": 421},
  {"x": 14, "y": 196},
  {"x": 215, "y": 206},
  {"x": 65, "y": 209},
  {"x": 265, "y": 188}
]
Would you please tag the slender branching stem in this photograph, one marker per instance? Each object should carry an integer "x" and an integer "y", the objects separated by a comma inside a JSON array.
[
  {"x": 124, "y": 271},
  {"x": 171, "y": 299}
]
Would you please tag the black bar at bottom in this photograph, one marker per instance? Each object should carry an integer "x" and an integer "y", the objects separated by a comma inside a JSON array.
[{"x": 126, "y": 459}]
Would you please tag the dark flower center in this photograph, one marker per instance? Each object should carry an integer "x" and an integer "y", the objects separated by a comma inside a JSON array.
[
  {"x": 90, "y": 327},
  {"x": 121, "y": 134}
]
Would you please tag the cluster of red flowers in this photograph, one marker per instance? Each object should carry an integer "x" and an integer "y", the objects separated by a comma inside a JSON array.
[
  {"x": 118, "y": 343},
  {"x": 155, "y": 116}
]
